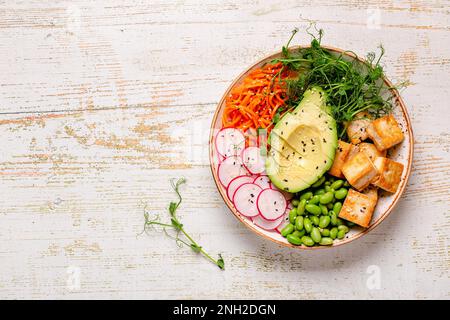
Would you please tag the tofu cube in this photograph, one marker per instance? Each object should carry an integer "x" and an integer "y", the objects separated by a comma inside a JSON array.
[
  {"x": 385, "y": 132},
  {"x": 359, "y": 171},
  {"x": 358, "y": 208},
  {"x": 356, "y": 129},
  {"x": 340, "y": 157},
  {"x": 354, "y": 149},
  {"x": 372, "y": 192},
  {"x": 371, "y": 151},
  {"x": 389, "y": 174}
]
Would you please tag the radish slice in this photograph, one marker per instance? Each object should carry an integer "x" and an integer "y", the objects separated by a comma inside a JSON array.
[
  {"x": 236, "y": 183},
  {"x": 229, "y": 169},
  {"x": 263, "y": 181},
  {"x": 253, "y": 160},
  {"x": 244, "y": 199},
  {"x": 230, "y": 142},
  {"x": 267, "y": 224},
  {"x": 271, "y": 204}
]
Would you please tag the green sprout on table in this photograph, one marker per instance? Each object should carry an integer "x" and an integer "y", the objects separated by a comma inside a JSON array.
[{"x": 182, "y": 238}]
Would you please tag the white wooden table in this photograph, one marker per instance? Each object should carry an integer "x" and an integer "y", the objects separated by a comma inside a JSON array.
[{"x": 102, "y": 102}]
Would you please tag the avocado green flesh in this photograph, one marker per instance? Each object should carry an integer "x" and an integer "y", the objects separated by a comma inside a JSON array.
[{"x": 303, "y": 144}]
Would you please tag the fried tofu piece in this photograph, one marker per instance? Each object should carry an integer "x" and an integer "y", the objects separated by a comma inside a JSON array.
[
  {"x": 385, "y": 132},
  {"x": 358, "y": 208},
  {"x": 339, "y": 159},
  {"x": 389, "y": 174},
  {"x": 371, "y": 151},
  {"x": 372, "y": 192},
  {"x": 359, "y": 171},
  {"x": 356, "y": 129},
  {"x": 354, "y": 149}
]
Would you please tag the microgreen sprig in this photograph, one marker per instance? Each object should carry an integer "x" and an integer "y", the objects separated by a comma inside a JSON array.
[{"x": 181, "y": 236}]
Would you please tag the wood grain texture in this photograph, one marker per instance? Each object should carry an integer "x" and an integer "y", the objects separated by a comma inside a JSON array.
[{"x": 102, "y": 102}]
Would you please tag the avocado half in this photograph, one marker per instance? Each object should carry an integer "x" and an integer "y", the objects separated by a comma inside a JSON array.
[{"x": 302, "y": 144}]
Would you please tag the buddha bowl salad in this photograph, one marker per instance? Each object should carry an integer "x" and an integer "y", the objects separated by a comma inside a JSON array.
[{"x": 302, "y": 148}]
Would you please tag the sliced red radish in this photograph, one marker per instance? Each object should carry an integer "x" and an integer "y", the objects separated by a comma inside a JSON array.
[
  {"x": 236, "y": 183},
  {"x": 229, "y": 169},
  {"x": 263, "y": 181},
  {"x": 230, "y": 142},
  {"x": 271, "y": 204},
  {"x": 268, "y": 225},
  {"x": 244, "y": 199},
  {"x": 253, "y": 160}
]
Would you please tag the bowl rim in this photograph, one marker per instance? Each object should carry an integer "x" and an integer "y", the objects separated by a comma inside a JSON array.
[{"x": 399, "y": 101}]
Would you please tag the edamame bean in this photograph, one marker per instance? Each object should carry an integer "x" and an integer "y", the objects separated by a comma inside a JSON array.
[
  {"x": 337, "y": 184},
  {"x": 326, "y": 241},
  {"x": 307, "y": 241},
  {"x": 341, "y": 234},
  {"x": 326, "y": 197},
  {"x": 294, "y": 239},
  {"x": 320, "y": 191},
  {"x": 341, "y": 193},
  {"x": 325, "y": 232},
  {"x": 333, "y": 233},
  {"x": 327, "y": 183},
  {"x": 324, "y": 209},
  {"x": 327, "y": 188},
  {"x": 288, "y": 229},
  {"x": 318, "y": 183},
  {"x": 324, "y": 221},
  {"x": 307, "y": 195},
  {"x": 292, "y": 215},
  {"x": 339, "y": 222},
  {"x": 343, "y": 227},
  {"x": 337, "y": 207},
  {"x": 314, "y": 200},
  {"x": 299, "y": 223},
  {"x": 307, "y": 225},
  {"x": 333, "y": 218},
  {"x": 301, "y": 207},
  {"x": 312, "y": 208},
  {"x": 298, "y": 233},
  {"x": 295, "y": 202},
  {"x": 314, "y": 220},
  {"x": 330, "y": 206},
  {"x": 315, "y": 235}
]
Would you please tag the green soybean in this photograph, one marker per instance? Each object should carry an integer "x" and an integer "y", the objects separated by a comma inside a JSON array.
[
  {"x": 337, "y": 184},
  {"x": 315, "y": 235},
  {"x": 341, "y": 234},
  {"x": 294, "y": 239},
  {"x": 341, "y": 193},
  {"x": 298, "y": 233},
  {"x": 307, "y": 225},
  {"x": 307, "y": 241},
  {"x": 299, "y": 223},
  {"x": 301, "y": 207},
  {"x": 337, "y": 207},
  {"x": 326, "y": 197},
  {"x": 320, "y": 191},
  {"x": 295, "y": 202},
  {"x": 333, "y": 233},
  {"x": 343, "y": 227},
  {"x": 325, "y": 241},
  {"x": 324, "y": 209},
  {"x": 318, "y": 183},
  {"x": 330, "y": 206},
  {"x": 307, "y": 195},
  {"x": 327, "y": 188},
  {"x": 292, "y": 215},
  {"x": 339, "y": 222},
  {"x": 312, "y": 208},
  {"x": 288, "y": 229},
  {"x": 325, "y": 232},
  {"x": 324, "y": 221},
  {"x": 314, "y": 200},
  {"x": 327, "y": 183},
  {"x": 314, "y": 220},
  {"x": 333, "y": 218}
]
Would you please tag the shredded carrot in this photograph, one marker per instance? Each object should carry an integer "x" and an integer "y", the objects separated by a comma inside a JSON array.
[{"x": 253, "y": 103}]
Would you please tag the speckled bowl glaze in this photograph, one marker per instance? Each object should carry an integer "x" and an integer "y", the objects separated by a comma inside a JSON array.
[{"x": 402, "y": 153}]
